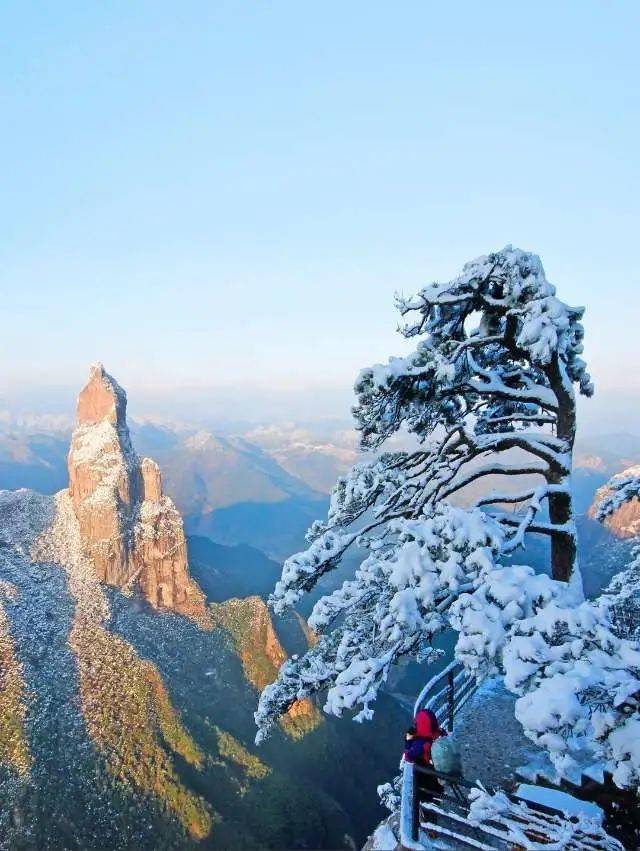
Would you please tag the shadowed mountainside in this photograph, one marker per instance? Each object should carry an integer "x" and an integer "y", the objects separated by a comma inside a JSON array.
[{"x": 128, "y": 714}]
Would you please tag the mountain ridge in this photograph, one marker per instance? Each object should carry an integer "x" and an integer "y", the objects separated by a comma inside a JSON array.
[
  {"x": 128, "y": 712},
  {"x": 624, "y": 522}
]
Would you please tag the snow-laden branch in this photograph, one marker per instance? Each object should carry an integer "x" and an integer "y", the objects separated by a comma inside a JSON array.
[
  {"x": 622, "y": 596},
  {"x": 578, "y": 682},
  {"x": 495, "y": 497},
  {"x": 538, "y": 419},
  {"x": 491, "y": 468},
  {"x": 396, "y": 603},
  {"x": 489, "y": 382},
  {"x": 620, "y": 489},
  {"x": 487, "y": 391}
]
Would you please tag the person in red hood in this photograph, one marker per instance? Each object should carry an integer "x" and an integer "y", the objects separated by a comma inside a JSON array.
[
  {"x": 417, "y": 749},
  {"x": 420, "y": 738}
]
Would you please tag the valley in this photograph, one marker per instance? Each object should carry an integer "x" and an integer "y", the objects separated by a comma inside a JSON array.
[
  {"x": 132, "y": 658},
  {"x": 134, "y": 649}
]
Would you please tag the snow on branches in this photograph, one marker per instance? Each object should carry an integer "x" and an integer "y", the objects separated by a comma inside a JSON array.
[
  {"x": 620, "y": 489},
  {"x": 495, "y": 364},
  {"x": 487, "y": 392},
  {"x": 623, "y": 593},
  {"x": 485, "y": 617},
  {"x": 394, "y": 606},
  {"x": 493, "y": 333},
  {"x": 578, "y": 682},
  {"x": 623, "y": 598},
  {"x": 580, "y": 689}
]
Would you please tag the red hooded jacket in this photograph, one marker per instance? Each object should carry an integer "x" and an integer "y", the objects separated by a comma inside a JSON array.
[{"x": 418, "y": 749}]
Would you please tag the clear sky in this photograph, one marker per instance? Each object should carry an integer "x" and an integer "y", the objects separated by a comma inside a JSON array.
[{"x": 225, "y": 195}]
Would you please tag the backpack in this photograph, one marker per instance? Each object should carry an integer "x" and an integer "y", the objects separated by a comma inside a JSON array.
[
  {"x": 445, "y": 756},
  {"x": 418, "y": 749}
]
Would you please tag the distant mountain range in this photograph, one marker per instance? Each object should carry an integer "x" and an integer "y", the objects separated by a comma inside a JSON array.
[
  {"x": 205, "y": 472},
  {"x": 133, "y": 661},
  {"x": 608, "y": 453},
  {"x": 36, "y": 460},
  {"x": 227, "y": 488},
  {"x": 232, "y": 491},
  {"x": 263, "y": 488},
  {"x": 130, "y": 662},
  {"x": 316, "y": 456}
]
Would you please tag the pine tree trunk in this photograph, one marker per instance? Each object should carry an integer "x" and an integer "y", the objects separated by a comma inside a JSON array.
[
  {"x": 563, "y": 544},
  {"x": 564, "y": 548}
]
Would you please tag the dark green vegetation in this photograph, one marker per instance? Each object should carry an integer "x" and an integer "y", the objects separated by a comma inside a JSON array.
[
  {"x": 314, "y": 791},
  {"x": 305, "y": 799}
]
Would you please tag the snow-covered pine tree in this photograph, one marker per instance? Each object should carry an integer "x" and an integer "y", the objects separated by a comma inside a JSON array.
[
  {"x": 576, "y": 677},
  {"x": 487, "y": 393}
]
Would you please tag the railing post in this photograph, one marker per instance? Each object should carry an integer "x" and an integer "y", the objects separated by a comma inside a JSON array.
[
  {"x": 415, "y": 808},
  {"x": 451, "y": 700}
]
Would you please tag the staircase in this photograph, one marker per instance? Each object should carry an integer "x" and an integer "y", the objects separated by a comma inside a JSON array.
[
  {"x": 444, "y": 694},
  {"x": 441, "y": 820},
  {"x": 621, "y": 806},
  {"x": 444, "y": 822}
]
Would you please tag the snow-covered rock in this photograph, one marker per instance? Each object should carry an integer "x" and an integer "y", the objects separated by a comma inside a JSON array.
[
  {"x": 130, "y": 531},
  {"x": 617, "y": 504}
]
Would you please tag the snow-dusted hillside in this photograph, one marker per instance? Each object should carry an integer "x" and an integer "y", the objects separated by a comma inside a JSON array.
[{"x": 126, "y": 716}]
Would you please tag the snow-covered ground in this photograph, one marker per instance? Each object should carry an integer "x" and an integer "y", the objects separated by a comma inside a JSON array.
[{"x": 492, "y": 744}]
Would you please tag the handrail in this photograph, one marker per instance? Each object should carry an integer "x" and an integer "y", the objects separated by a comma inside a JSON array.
[
  {"x": 457, "y": 687},
  {"x": 445, "y": 693},
  {"x": 537, "y": 821},
  {"x": 431, "y": 683}
]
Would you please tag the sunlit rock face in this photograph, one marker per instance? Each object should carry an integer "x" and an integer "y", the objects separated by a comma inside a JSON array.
[
  {"x": 130, "y": 531},
  {"x": 624, "y": 522},
  {"x": 251, "y": 629}
]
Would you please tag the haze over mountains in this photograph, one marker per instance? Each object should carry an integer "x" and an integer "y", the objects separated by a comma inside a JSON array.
[
  {"x": 134, "y": 644},
  {"x": 132, "y": 675},
  {"x": 232, "y": 491},
  {"x": 262, "y": 486}
]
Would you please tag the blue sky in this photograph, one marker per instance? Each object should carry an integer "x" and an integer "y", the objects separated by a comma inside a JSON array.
[{"x": 226, "y": 195}]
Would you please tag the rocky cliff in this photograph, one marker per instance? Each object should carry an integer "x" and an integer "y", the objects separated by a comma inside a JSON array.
[
  {"x": 624, "y": 522},
  {"x": 131, "y": 532},
  {"x": 124, "y": 728},
  {"x": 251, "y": 629}
]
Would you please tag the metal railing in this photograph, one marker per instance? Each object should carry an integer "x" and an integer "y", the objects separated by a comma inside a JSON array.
[
  {"x": 444, "y": 812},
  {"x": 445, "y": 694}
]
